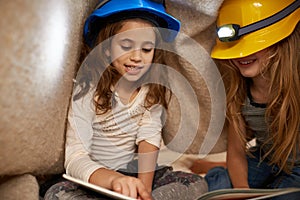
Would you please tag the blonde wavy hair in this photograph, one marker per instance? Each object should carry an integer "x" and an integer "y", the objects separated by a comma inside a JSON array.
[{"x": 282, "y": 66}]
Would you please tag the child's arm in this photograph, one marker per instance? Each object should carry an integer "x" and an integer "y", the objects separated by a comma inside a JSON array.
[
  {"x": 236, "y": 160},
  {"x": 79, "y": 164},
  {"x": 148, "y": 142},
  {"x": 147, "y": 161}
]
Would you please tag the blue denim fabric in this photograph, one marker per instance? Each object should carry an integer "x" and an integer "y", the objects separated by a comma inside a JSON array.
[
  {"x": 218, "y": 178},
  {"x": 260, "y": 175}
]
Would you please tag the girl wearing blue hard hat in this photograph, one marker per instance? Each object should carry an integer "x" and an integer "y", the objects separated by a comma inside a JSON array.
[{"x": 118, "y": 106}]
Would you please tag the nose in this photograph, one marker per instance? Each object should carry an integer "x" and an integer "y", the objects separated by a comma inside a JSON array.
[{"x": 136, "y": 55}]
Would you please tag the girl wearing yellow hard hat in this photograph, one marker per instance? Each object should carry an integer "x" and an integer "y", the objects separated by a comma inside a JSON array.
[{"x": 258, "y": 53}]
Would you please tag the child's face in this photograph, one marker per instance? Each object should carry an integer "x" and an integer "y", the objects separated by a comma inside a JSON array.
[
  {"x": 251, "y": 66},
  {"x": 132, "y": 49}
]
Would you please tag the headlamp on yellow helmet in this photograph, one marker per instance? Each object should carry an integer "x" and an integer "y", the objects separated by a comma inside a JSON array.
[
  {"x": 231, "y": 32},
  {"x": 245, "y": 27}
]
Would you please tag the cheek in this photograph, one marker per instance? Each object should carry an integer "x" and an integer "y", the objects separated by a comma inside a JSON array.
[
  {"x": 119, "y": 55},
  {"x": 116, "y": 54},
  {"x": 148, "y": 58},
  {"x": 115, "y": 51}
]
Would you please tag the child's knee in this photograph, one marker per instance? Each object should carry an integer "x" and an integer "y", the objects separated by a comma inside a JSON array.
[
  {"x": 218, "y": 178},
  {"x": 179, "y": 190}
]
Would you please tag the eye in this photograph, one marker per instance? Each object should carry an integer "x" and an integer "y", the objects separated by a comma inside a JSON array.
[
  {"x": 126, "y": 45},
  {"x": 147, "y": 50},
  {"x": 126, "y": 48},
  {"x": 148, "y": 47}
]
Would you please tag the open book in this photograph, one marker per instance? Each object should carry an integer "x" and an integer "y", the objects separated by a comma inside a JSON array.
[
  {"x": 223, "y": 194},
  {"x": 253, "y": 194},
  {"x": 101, "y": 190}
]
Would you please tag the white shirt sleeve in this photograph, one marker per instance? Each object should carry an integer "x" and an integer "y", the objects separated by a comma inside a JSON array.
[
  {"x": 151, "y": 126},
  {"x": 79, "y": 139}
]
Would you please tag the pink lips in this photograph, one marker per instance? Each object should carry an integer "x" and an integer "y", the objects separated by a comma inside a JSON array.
[
  {"x": 245, "y": 62},
  {"x": 132, "y": 70}
]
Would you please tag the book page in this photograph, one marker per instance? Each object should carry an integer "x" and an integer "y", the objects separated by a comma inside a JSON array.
[
  {"x": 99, "y": 189},
  {"x": 253, "y": 194}
]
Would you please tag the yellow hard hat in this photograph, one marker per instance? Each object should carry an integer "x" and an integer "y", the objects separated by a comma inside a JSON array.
[{"x": 248, "y": 26}]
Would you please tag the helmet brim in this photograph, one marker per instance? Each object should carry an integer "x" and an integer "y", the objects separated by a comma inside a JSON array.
[{"x": 165, "y": 20}]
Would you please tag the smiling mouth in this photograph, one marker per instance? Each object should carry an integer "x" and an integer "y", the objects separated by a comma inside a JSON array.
[
  {"x": 132, "y": 68},
  {"x": 246, "y": 62}
]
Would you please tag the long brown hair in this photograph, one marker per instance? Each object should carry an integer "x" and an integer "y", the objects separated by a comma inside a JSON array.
[
  {"x": 282, "y": 112},
  {"x": 106, "y": 76}
]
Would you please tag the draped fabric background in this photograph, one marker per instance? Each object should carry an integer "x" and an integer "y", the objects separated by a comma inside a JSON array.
[
  {"x": 40, "y": 48},
  {"x": 198, "y": 26},
  {"x": 39, "y": 55}
]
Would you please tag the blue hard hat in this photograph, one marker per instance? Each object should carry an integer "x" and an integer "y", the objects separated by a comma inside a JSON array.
[{"x": 109, "y": 11}]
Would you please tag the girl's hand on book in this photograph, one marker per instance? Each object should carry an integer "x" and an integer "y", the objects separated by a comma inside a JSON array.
[{"x": 131, "y": 186}]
